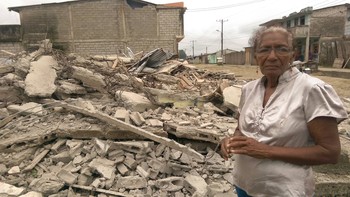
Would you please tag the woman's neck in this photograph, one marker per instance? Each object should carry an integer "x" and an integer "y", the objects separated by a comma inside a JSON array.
[{"x": 271, "y": 82}]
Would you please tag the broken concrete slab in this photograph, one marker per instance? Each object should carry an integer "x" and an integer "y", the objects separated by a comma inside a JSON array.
[
  {"x": 120, "y": 124},
  {"x": 137, "y": 118},
  {"x": 196, "y": 185},
  {"x": 40, "y": 81},
  {"x": 121, "y": 114},
  {"x": 170, "y": 184},
  {"x": 134, "y": 102},
  {"x": 131, "y": 182},
  {"x": 103, "y": 166},
  {"x": 46, "y": 186},
  {"x": 22, "y": 67},
  {"x": 232, "y": 97},
  {"x": 27, "y": 109},
  {"x": 67, "y": 177},
  {"x": 190, "y": 132},
  {"x": 10, "y": 94},
  {"x": 89, "y": 79},
  {"x": 66, "y": 89},
  {"x": 138, "y": 147},
  {"x": 6, "y": 69},
  {"x": 32, "y": 194},
  {"x": 10, "y": 190}
]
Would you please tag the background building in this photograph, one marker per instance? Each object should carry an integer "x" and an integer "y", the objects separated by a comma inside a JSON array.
[
  {"x": 321, "y": 35},
  {"x": 90, "y": 27}
]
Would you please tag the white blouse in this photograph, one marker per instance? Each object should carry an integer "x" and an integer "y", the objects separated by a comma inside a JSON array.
[{"x": 298, "y": 99}]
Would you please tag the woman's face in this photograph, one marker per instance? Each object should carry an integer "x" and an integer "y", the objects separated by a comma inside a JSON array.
[{"x": 274, "y": 54}]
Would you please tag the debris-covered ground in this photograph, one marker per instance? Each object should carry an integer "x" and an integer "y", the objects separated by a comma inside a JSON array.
[{"x": 123, "y": 125}]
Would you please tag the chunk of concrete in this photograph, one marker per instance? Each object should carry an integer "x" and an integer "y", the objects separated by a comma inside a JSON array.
[
  {"x": 32, "y": 194},
  {"x": 137, "y": 118},
  {"x": 103, "y": 166},
  {"x": 121, "y": 114},
  {"x": 40, "y": 80},
  {"x": 122, "y": 169},
  {"x": 134, "y": 102},
  {"x": 22, "y": 67},
  {"x": 10, "y": 190},
  {"x": 11, "y": 94},
  {"x": 3, "y": 113},
  {"x": 67, "y": 176},
  {"x": 70, "y": 88},
  {"x": 27, "y": 108},
  {"x": 196, "y": 185},
  {"x": 46, "y": 186},
  {"x": 170, "y": 184},
  {"x": 14, "y": 170},
  {"x": 89, "y": 79},
  {"x": 141, "y": 147},
  {"x": 131, "y": 182},
  {"x": 6, "y": 69},
  {"x": 154, "y": 122},
  {"x": 232, "y": 96}
]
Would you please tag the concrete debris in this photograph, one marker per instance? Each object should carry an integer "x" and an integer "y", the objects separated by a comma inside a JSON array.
[
  {"x": 40, "y": 81},
  {"x": 10, "y": 190},
  {"x": 115, "y": 125}
]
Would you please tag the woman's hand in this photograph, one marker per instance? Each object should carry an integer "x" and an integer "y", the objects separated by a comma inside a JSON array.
[
  {"x": 245, "y": 146},
  {"x": 248, "y": 146}
]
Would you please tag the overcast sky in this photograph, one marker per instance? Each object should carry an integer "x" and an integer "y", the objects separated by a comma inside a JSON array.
[{"x": 202, "y": 26}]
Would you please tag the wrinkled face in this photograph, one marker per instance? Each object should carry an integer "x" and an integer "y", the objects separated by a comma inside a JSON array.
[{"x": 274, "y": 54}]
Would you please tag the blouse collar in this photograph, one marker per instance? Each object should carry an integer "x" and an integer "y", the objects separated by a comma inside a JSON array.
[{"x": 288, "y": 75}]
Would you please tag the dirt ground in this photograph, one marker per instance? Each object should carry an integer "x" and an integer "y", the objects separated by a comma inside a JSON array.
[{"x": 341, "y": 85}]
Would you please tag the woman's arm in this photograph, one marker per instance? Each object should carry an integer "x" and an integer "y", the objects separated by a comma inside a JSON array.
[
  {"x": 224, "y": 144},
  {"x": 326, "y": 150}
]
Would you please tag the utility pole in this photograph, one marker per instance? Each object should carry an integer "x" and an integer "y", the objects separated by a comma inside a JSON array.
[
  {"x": 222, "y": 36},
  {"x": 193, "y": 48}
]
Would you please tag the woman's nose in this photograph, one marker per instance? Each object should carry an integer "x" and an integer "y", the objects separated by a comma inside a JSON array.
[{"x": 272, "y": 54}]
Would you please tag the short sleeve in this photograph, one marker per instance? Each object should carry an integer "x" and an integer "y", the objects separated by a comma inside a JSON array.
[{"x": 322, "y": 100}]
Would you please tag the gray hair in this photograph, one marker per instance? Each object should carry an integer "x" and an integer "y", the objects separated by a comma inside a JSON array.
[{"x": 255, "y": 39}]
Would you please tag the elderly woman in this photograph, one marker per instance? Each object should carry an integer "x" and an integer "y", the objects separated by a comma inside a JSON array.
[{"x": 287, "y": 123}]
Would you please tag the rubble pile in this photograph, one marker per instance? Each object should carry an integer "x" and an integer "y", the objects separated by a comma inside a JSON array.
[
  {"x": 137, "y": 125},
  {"x": 122, "y": 125}
]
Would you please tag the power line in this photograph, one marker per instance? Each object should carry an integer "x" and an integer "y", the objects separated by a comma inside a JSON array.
[{"x": 222, "y": 7}]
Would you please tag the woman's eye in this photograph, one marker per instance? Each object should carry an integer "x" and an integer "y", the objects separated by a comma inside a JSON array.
[
  {"x": 283, "y": 49},
  {"x": 264, "y": 50}
]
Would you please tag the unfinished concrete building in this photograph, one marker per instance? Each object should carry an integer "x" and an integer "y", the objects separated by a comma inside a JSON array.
[
  {"x": 103, "y": 26},
  {"x": 321, "y": 35}
]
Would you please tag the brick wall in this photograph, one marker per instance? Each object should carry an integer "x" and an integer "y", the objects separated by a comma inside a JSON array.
[
  {"x": 141, "y": 22},
  {"x": 327, "y": 27},
  {"x": 103, "y": 26},
  {"x": 13, "y": 47},
  {"x": 170, "y": 23},
  {"x": 329, "y": 22}
]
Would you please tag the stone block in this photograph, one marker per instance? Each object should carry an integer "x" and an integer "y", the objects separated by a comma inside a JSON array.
[
  {"x": 170, "y": 184},
  {"x": 103, "y": 166},
  {"x": 131, "y": 182},
  {"x": 10, "y": 190},
  {"x": 134, "y": 102},
  {"x": 40, "y": 81},
  {"x": 67, "y": 177},
  {"x": 196, "y": 184}
]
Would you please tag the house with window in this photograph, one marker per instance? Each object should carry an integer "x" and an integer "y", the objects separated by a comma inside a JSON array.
[
  {"x": 321, "y": 35},
  {"x": 91, "y": 27}
]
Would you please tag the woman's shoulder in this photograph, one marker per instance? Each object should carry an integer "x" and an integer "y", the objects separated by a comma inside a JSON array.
[
  {"x": 252, "y": 84},
  {"x": 308, "y": 81}
]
